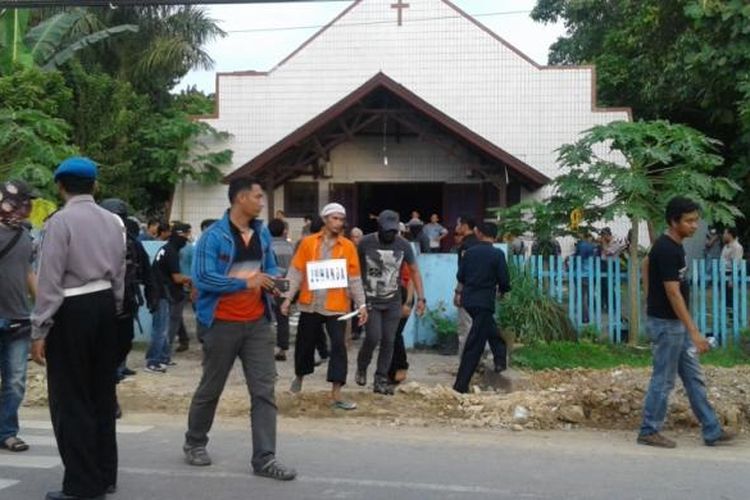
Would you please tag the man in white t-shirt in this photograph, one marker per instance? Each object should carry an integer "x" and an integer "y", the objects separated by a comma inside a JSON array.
[{"x": 435, "y": 232}]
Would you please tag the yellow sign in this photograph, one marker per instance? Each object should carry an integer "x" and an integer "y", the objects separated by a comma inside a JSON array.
[
  {"x": 576, "y": 217},
  {"x": 40, "y": 210}
]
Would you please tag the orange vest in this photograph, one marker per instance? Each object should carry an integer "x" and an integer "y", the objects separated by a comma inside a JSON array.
[{"x": 310, "y": 249}]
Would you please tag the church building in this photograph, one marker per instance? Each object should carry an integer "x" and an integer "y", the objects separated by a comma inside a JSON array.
[{"x": 401, "y": 104}]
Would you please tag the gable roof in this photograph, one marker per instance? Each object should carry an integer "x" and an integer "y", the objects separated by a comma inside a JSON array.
[{"x": 381, "y": 81}]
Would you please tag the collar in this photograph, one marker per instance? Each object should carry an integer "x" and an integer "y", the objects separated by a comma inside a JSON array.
[{"x": 79, "y": 198}]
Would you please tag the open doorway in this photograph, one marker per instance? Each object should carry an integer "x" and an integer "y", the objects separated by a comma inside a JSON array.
[{"x": 403, "y": 197}]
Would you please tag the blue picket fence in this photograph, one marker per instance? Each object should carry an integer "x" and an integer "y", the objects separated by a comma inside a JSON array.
[{"x": 595, "y": 292}]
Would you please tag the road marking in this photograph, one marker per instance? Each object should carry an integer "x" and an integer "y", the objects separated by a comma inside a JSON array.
[
  {"x": 7, "y": 483},
  {"x": 28, "y": 461},
  {"x": 121, "y": 428},
  {"x": 373, "y": 483},
  {"x": 36, "y": 440}
]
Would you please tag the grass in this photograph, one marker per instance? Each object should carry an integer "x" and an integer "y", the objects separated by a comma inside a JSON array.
[{"x": 564, "y": 355}]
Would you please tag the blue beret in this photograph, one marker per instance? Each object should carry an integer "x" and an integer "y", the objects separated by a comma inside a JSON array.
[{"x": 78, "y": 166}]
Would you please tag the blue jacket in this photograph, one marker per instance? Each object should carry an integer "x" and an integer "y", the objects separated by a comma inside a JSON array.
[{"x": 212, "y": 260}]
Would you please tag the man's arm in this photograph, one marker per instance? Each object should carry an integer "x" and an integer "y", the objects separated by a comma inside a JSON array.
[
  {"x": 416, "y": 277},
  {"x": 680, "y": 308},
  {"x": 205, "y": 269},
  {"x": 503, "y": 277},
  {"x": 31, "y": 283}
]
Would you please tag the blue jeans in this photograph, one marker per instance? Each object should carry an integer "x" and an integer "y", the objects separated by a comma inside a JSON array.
[
  {"x": 671, "y": 346},
  {"x": 13, "y": 360},
  {"x": 159, "y": 350}
]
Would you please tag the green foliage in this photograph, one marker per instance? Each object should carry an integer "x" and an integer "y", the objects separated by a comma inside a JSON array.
[
  {"x": 567, "y": 355},
  {"x": 687, "y": 61},
  {"x": 445, "y": 326},
  {"x": 531, "y": 314}
]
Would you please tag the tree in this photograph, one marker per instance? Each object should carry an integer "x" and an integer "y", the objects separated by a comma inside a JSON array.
[
  {"x": 633, "y": 169},
  {"x": 687, "y": 61}
]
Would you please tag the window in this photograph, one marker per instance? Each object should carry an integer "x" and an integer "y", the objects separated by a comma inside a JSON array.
[{"x": 300, "y": 199}]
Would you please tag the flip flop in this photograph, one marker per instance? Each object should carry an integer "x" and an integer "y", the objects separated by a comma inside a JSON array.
[
  {"x": 344, "y": 405},
  {"x": 14, "y": 444}
]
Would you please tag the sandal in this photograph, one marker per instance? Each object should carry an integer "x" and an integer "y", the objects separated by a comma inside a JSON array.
[
  {"x": 344, "y": 405},
  {"x": 14, "y": 444}
]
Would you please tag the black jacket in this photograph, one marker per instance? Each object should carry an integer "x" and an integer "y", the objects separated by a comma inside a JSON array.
[{"x": 482, "y": 272}]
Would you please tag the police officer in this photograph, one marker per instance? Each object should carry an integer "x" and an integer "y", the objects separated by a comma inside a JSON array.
[{"x": 80, "y": 291}]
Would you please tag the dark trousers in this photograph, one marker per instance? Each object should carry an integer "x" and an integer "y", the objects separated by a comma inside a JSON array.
[
  {"x": 253, "y": 343},
  {"x": 382, "y": 323},
  {"x": 176, "y": 322},
  {"x": 125, "y": 334},
  {"x": 282, "y": 325},
  {"x": 483, "y": 330},
  {"x": 399, "y": 360},
  {"x": 308, "y": 332},
  {"x": 81, "y": 362}
]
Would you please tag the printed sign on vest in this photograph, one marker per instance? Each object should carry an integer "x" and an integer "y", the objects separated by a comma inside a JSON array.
[{"x": 326, "y": 274}]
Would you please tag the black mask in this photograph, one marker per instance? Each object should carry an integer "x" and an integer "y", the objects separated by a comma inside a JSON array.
[
  {"x": 178, "y": 241},
  {"x": 387, "y": 236}
]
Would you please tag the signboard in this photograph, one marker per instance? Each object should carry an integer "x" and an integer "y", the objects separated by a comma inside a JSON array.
[{"x": 326, "y": 274}]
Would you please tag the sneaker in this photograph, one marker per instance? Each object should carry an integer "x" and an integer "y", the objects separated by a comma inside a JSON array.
[
  {"x": 170, "y": 363},
  {"x": 724, "y": 437},
  {"x": 275, "y": 470},
  {"x": 382, "y": 387},
  {"x": 196, "y": 455},
  {"x": 657, "y": 440},
  {"x": 155, "y": 369},
  {"x": 361, "y": 377}
]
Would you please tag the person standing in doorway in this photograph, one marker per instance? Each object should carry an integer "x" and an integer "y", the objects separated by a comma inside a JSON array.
[
  {"x": 233, "y": 270},
  {"x": 435, "y": 232},
  {"x": 17, "y": 287},
  {"x": 381, "y": 255},
  {"x": 465, "y": 229},
  {"x": 324, "y": 304},
  {"x": 79, "y": 294},
  {"x": 676, "y": 340},
  {"x": 482, "y": 275}
]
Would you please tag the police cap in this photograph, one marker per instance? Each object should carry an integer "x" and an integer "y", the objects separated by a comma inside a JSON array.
[{"x": 77, "y": 166}]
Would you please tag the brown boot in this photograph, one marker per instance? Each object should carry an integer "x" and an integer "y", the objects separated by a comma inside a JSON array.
[
  {"x": 724, "y": 438},
  {"x": 657, "y": 440}
]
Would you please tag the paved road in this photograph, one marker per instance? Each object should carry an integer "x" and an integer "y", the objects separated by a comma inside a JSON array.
[{"x": 341, "y": 459}]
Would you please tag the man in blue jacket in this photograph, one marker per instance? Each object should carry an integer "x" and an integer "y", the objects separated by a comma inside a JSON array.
[
  {"x": 482, "y": 274},
  {"x": 232, "y": 270}
]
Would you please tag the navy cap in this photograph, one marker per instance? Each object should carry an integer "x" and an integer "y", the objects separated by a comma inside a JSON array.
[
  {"x": 78, "y": 166},
  {"x": 388, "y": 220}
]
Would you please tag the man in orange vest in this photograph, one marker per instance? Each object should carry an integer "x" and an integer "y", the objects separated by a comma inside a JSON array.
[{"x": 326, "y": 272}]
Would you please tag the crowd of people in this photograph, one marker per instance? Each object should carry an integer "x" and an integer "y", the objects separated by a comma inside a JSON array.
[{"x": 243, "y": 276}]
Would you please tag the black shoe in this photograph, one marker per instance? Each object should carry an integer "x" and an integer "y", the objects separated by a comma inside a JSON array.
[
  {"x": 184, "y": 346},
  {"x": 382, "y": 387},
  {"x": 275, "y": 470},
  {"x": 59, "y": 495},
  {"x": 118, "y": 412},
  {"x": 500, "y": 369},
  {"x": 196, "y": 455},
  {"x": 127, "y": 372},
  {"x": 111, "y": 489}
]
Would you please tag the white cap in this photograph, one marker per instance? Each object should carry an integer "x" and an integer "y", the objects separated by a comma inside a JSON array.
[{"x": 333, "y": 208}]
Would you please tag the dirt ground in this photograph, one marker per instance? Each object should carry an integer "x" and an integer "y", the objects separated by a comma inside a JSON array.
[{"x": 555, "y": 399}]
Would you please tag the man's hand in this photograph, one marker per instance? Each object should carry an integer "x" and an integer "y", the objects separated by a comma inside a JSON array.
[
  {"x": 420, "y": 307},
  {"x": 260, "y": 280},
  {"x": 701, "y": 345},
  {"x": 39, "y": 352},
  {"x": 284, "y": 308},
  {"x": 362, "y": 316}
]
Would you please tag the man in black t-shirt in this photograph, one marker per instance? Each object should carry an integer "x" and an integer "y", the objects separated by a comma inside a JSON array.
[
  {"x": 381, "y": 255},
  {"x": 465, "y": 227},
  {"x": 675, "y": 337}
]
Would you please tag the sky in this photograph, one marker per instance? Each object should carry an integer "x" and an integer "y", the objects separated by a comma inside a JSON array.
[{"x": 261, "y": 35}]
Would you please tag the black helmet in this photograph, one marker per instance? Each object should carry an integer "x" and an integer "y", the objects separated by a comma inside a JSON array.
[{"x": 116, "y": 206}]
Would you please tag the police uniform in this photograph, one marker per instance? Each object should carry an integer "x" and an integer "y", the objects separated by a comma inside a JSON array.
[{"x": 80, "y": 289}]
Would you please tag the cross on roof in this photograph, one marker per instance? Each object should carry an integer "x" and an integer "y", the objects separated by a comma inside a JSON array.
[{"x": 400, "y": 6}]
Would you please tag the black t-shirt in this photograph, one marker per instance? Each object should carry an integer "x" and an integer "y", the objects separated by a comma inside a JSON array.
[
  {"x": 381, "y": 267},
  {"x": 250, "y": 253},
  {"x": 666, "y": 262},
  {"x": 167, "y": 263},
  {"x": 469, "y": 241}
]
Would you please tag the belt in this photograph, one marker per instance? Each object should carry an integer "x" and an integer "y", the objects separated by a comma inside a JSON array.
[{"x": 90, "y": 287}]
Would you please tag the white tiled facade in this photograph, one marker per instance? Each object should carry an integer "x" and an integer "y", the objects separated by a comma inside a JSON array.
[{"x": 438, "y": 54}]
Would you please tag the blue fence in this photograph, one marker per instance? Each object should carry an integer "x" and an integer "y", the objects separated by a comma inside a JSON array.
[{"x": 595, "y": 292}]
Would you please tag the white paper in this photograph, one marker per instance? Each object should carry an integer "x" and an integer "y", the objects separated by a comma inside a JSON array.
[{"x": 327, "y": 274}]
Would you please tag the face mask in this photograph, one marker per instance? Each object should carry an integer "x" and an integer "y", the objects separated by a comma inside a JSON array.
[
  {"x": 178, "y": 241},
  {"x": 387, "y": 236}
]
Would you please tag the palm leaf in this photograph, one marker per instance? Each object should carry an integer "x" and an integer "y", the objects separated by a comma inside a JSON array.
[
  {"x": 64, "y": 55},
  {"x": 47, "y": 37}
]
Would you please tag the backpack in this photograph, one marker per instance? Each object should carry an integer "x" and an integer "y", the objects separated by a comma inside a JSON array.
[{"x": 137, "y": 275}]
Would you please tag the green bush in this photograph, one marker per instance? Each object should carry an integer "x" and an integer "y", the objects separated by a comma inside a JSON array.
[
  {"x": 530, "y": 314},
  {"x": 445, "y": 327}
]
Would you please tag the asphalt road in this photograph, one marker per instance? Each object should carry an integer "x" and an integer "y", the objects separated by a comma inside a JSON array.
[{"x": 341, "y": 459}]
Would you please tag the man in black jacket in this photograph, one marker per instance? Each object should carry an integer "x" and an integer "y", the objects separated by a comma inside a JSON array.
[{"x": 482, "y": 273}]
